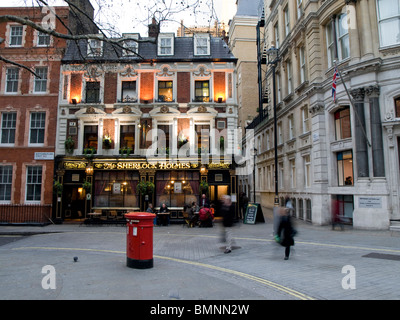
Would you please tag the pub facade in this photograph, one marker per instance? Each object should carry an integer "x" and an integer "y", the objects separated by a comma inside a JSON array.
[{"x": 150, "y": 121}]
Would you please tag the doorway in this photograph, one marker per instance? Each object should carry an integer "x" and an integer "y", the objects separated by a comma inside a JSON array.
[{"x": 73, "y": 202}]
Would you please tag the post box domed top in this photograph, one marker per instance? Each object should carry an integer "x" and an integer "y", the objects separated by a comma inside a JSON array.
[{"x": 139, "y": 216}]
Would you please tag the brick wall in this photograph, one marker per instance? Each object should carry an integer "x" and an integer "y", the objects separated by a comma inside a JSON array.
[
  {"x": 183, "y": 79},
  {"x": 146, "y": 87}
]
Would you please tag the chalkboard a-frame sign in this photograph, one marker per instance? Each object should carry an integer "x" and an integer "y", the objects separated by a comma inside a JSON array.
[{"x": 253, "y": 214}]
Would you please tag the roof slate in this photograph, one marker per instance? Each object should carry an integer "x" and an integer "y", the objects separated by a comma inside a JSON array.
[{"x": 183, "y": 51}]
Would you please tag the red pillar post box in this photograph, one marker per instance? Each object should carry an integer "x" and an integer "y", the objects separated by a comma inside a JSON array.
[{"x": 139, "y": 240}]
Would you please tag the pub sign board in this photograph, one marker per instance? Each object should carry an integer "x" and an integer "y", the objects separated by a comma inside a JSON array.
[{"x": 253, "y": 214}]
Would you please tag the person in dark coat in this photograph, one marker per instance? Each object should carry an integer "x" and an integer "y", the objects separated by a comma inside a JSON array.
[
  {"x": 164, "y": 215},
  {"x": 285, "y": 232},
  {"x": 228, "y": 215}
]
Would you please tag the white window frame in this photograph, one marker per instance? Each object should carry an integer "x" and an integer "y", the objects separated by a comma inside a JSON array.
[
  {"x": 95, "y": 48},
  {"x": 299, "y": 9},
  {"x": 305, "y": 120},
  {"x": 131, "y": 44},
  {"x": 291, "y": 127},
  {"x": 41, "y": 82},
  {"x": 280, "y": 136},
  {"x": 381, "y": 21},
  {"x": 292, "y": 163},
  {"x": 276, "y": 32},
  {"x": 201, "y": 42},
  {"x": 278, "y": 88},
  {"x": 165, "y": 44},
  {"x": 307, "y": 170},
  {"x": 28, "y": 183},
  {"x": 41, "y": 35},
  {"x": 339, "y": 40},
  {"x": 286, "y": 15},
  {"x": 6, "y": 180},
  {"x": 289, "y": 76},
  {"x": 8, "y": 128},
  {"x": 15, "y": 80},
  {"x": 303, "y": 69},
  {"x": 31, "y": 128},
  {"x": 21, "y": 36}
]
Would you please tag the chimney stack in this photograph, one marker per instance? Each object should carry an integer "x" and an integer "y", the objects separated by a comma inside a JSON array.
[{"x": 154, "y": 28}]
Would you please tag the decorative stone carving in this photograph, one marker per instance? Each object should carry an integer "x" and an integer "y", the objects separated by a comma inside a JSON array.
[
  {"x": 202, "y": 109},
  {"x": 202, "y": 72},
  {"x": 358, "y": 94},
  {"x": 165, "y": 72},
  {"x": 90, "y": 110},
  {"x": 129, "y": 72},
  {"x": 164, "y": 109},
  {"x": 373, "y": 90}
]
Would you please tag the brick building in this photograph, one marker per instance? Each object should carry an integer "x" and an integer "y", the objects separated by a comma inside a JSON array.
[
  {"x": 151, "y": 113},
  {"x": 28, "y": 112}
]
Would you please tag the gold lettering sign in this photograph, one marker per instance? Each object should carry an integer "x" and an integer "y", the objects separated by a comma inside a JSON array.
[{"x": 71, "y": 165}]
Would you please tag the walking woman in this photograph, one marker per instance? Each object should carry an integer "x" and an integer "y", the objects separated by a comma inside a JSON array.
[{"x": 285, "y": 232}]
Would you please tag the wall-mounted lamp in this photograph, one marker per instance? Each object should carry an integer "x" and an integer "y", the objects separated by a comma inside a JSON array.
[
  {"x": 89, "y": 170},
  {"x": 74, "y": 101},
  {"x": 220, "y": 99}
]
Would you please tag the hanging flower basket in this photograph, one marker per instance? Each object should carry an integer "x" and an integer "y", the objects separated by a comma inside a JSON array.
[
  {"x": 89, "y": 152},
  {"x": 58, "y": 188},
  {"x": 69, "y": 145},
  {"x": 107, "y": 142}
]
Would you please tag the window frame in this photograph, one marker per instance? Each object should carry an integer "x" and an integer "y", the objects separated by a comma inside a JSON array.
[
  {"x": 202, "y": 98},
  {"x": 6, "y": 182},
  {"x": 341, "y": 168},
  {"x": 40, "y": 35},
  {"x": 335, "y": 46},
  {"x": 2, "y": 129},
  {"x": 170, "y": 87},
  {"x": 98, "y": 90},
  {"x": 34, "y": 131},
  {"x": 339, "y": 118},
  {"x": 34, "y": 184},
  {"x": 164, "y": 48},
  {"x": 42, "y": 82},
  {"x": 381, "y": 21},
  {"x": 14, "y": 81},
  {"x": 199, "y": 45},
  {"x": 11, "y": 35},
  {"x": 95, "y": 48}
]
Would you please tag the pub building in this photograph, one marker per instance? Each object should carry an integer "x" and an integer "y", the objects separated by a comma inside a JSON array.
[{"x": 152, "y": 122}]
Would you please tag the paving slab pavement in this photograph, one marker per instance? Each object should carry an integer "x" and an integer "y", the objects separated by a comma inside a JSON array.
[{"x": 189, "y": 264}]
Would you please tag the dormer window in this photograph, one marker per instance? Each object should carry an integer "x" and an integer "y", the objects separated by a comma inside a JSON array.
[
  {"x": 201, "y": 44},
  {"x": 131, "y": 46},
  {"x": 95, "y": 48},
  {"x": 166, "y": 44}
]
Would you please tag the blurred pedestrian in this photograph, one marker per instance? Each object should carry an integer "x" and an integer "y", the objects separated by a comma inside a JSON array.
[
  {"x": 286, "y": 232},
  {"x": 228, "y": 215}
]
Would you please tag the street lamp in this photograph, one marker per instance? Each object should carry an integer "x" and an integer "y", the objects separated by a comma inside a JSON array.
[{"x": 273, "y": 59}]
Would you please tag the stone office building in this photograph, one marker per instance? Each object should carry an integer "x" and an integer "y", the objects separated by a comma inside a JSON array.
[
  {"x": 150, "y": 121},
  {"x": 338, "y": 154}
]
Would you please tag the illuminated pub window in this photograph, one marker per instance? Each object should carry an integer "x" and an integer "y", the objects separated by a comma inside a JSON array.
[
  {"x": 165, "y": 93},
  {"x": 345, "y": 168},
  {"x": 116, "y": 189},
  {"x": 177, "y": 188},
  {"x": 202, "y": 91},
  {"x": 90, "y": 137},
  {"x": 127, "y": 137}
]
